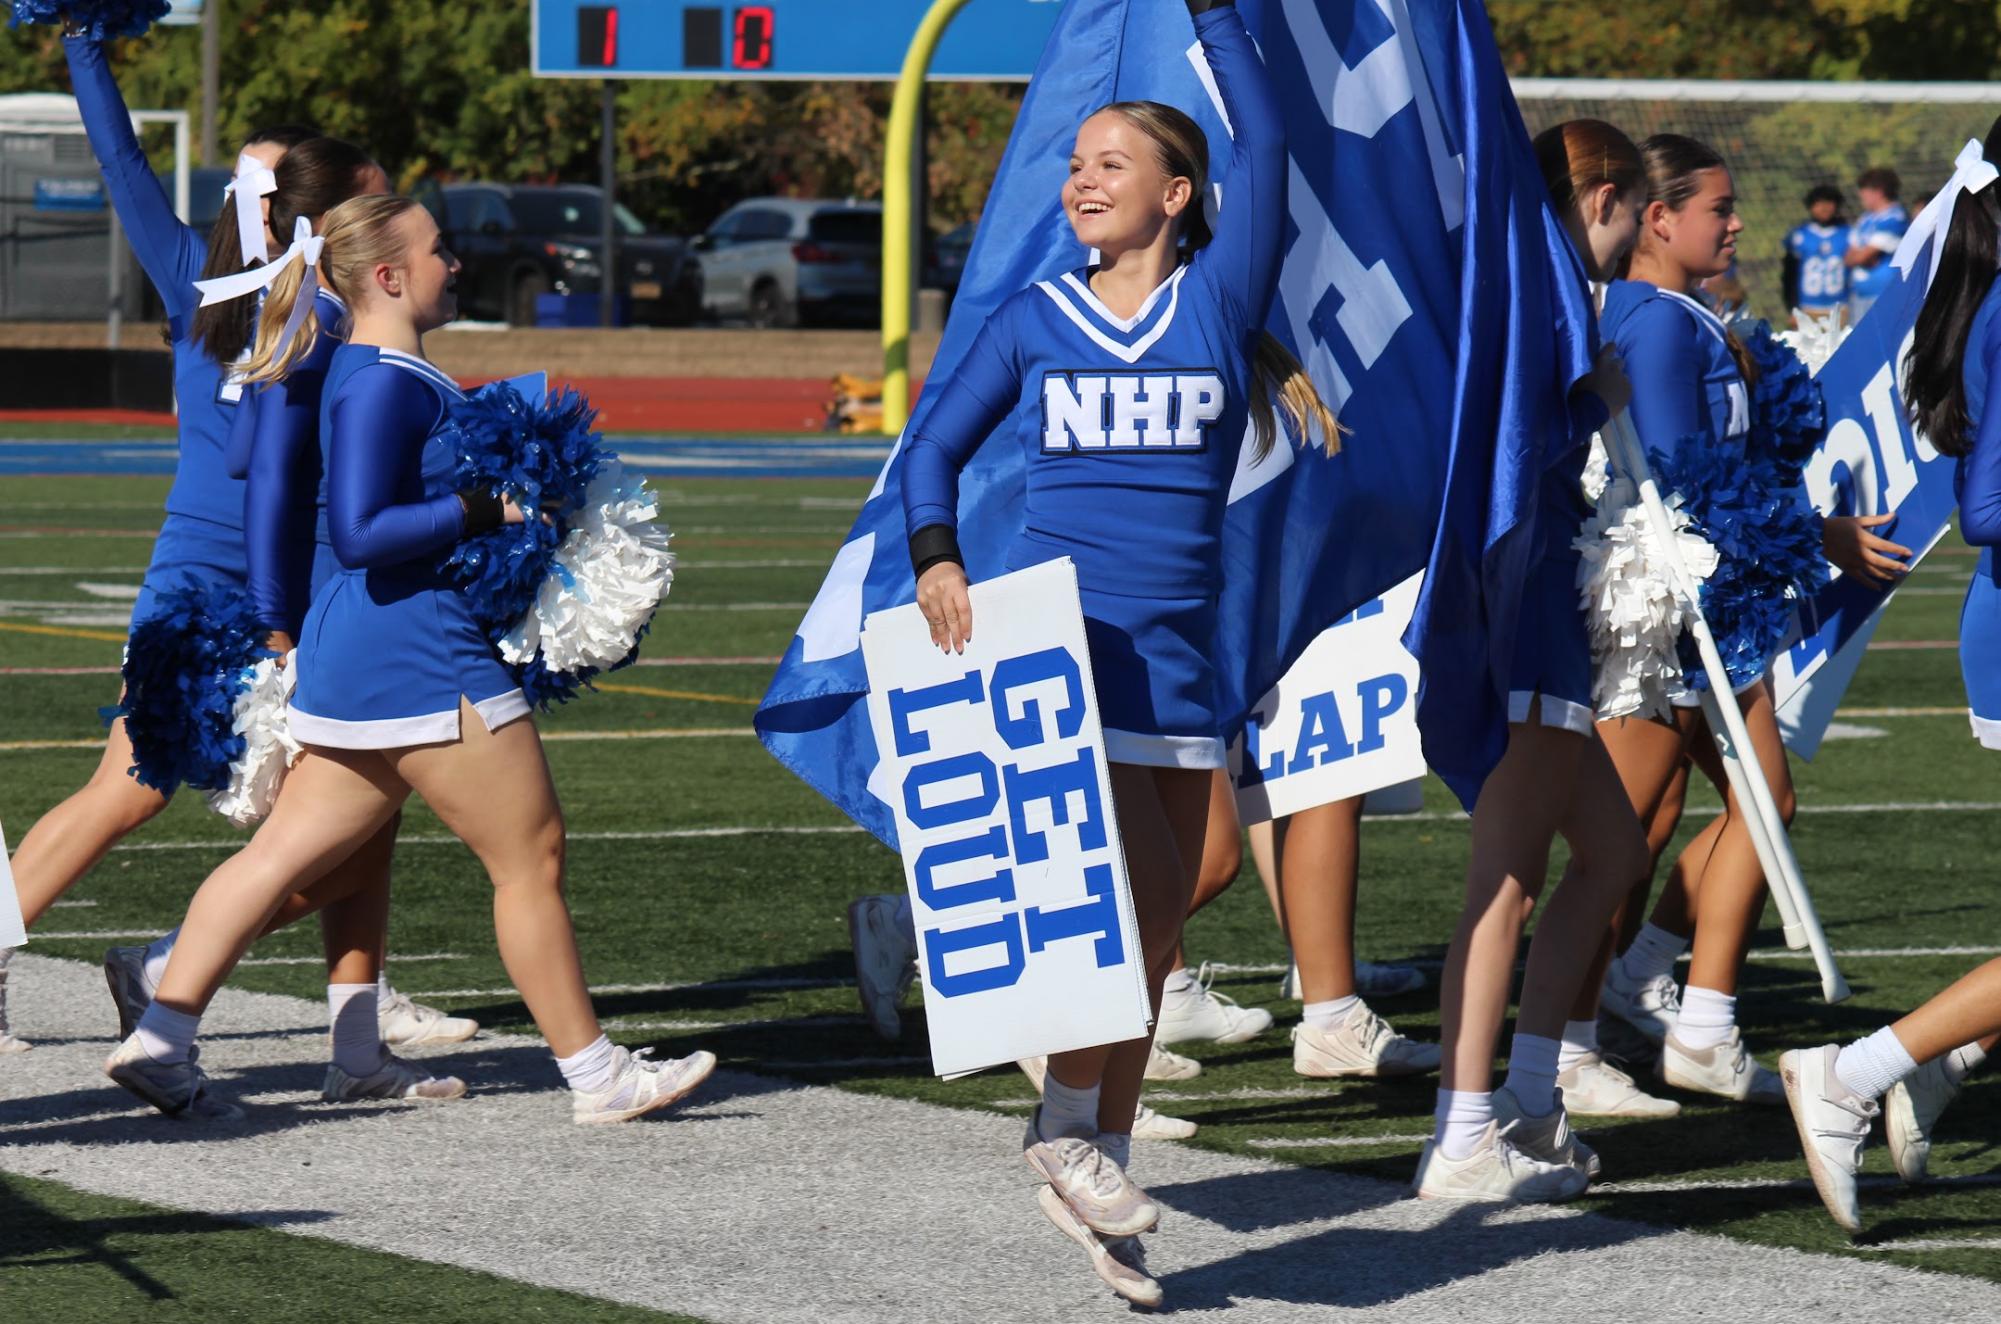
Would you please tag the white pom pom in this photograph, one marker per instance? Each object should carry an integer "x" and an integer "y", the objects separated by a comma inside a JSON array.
[
  {"x": 268, "y": 747},
  {"x": 1634, "y": 614},
  {"x": 1816, "y": 338},
  {"x": 610, "y": 575}
]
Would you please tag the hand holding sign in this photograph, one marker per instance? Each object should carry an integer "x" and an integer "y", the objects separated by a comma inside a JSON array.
[{"x": 942, "y": 597}]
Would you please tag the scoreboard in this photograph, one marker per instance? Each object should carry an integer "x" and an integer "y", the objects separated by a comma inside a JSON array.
[{"x": 998, "y": 40}]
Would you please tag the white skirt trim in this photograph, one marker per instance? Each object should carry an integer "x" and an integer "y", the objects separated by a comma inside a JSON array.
[
  {"x": 1683, "y": 697},
  {"x": 1987, "y": 730},
  {"x": 1154, "y": 751},
  {"x": 402, "y": 732},
  {"x": 1555, "y": 712}
]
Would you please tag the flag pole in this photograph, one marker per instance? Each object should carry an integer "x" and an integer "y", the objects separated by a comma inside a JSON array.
[{"x": 1741, "y": 764}]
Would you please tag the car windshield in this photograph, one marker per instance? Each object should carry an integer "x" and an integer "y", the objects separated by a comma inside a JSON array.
[
  {"x": 564, "y": 212},
  {"x": 846, "y": 227}
]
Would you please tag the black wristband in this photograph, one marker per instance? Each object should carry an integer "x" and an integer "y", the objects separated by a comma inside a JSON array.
[
  {"x": 483, "y": 510},
  {"x": 1204, "y": 6},
  {"x": 932, "y": 544}
]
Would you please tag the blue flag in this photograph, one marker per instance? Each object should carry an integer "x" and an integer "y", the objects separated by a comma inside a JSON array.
[{"x": 1425, "y": 286}]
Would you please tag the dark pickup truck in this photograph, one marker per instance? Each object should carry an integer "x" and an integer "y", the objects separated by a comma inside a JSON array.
[{"x": 519, "y": 241}]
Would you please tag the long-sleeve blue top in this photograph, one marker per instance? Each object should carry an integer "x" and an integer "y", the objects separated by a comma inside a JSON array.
[
  {"x": 172, "y": 255},
  {"x": 277, "y": 434},
  {"x": 388, "y": 495},
  {"x": 1132, "y": 426},
  {"x": 1977, "y": 478},
  {"x": 1678, "y": 359}
]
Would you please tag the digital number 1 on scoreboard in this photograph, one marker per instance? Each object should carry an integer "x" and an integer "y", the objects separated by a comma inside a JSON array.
[{"x": 745, "y": 34}]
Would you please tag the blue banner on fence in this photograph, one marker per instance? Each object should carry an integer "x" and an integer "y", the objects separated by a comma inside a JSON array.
[{"x": 1418, "y": 227}]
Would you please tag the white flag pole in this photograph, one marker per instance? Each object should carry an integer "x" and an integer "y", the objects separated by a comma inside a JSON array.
[{"x": 1726, "y": 724}]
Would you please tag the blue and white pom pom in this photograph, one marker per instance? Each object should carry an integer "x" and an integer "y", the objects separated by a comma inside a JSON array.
[
  {"x": 97, "y": 19},
  {"x": 566, "y": 600},
  {"x": 204, "y": 702}
]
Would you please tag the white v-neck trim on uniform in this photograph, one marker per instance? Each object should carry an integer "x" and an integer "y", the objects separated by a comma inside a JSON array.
[
  {"x": 1707, "y": 319},
  {"x": 1082, "y": 319},
  {"x": 423, "y": 368},
  {"x": 1097, "y": 305}
]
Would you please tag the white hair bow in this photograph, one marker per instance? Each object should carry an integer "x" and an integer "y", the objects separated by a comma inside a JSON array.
[
  {"x": 252, "y": 182},
  {"x": 307, "y": 247},
  {"x": 1971, "y": 172}
]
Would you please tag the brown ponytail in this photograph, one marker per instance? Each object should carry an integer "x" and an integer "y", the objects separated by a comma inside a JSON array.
[
  {"x": 222, "y": 330},
  {"x": 1183, "y": 152}
]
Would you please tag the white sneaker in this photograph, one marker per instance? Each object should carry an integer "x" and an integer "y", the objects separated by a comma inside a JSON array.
[
  {"x": 406, "y": 1024},
  {"x": 178, "y": 1089},
  {"x": 131, "y": 991},
  {"x": 1372, "y": 980},
  {"x": 1548, "y": 1138},
  {"x": 885, "y": 962},
  {"x": 8, "y": 1043},
  {"x": 1494, "y": 1173},
  {"x": 1726, "y": 1069},
  {"x": 1199, "y": 1012},
  {"x": 1165, "y": 1064},
  {"x": 1910, "y": 1109},
  {"x": 1119, "y": 1261},
  {"x": 1833, "y": 1124},
  {"x": 1362, "y": 1045},
  {"x": 1650, "y": 1006},
  {"x": 640, "y": 1085},
  {"x": 394, "y": 1079},
  {"x": 1095, "y": 1188},
  {"x": 1150, "y": 1125},
  {"x": 1596, "y": 1088}
]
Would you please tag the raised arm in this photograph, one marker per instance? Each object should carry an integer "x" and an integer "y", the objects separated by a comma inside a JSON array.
[
  {"x": 379, "y": 422},
  {"x": 1242, "y": 260},
  {"x": 983, "y": 390},
  {"x": 171, "y": 253},
  {"x": 1980, "y": 493}
]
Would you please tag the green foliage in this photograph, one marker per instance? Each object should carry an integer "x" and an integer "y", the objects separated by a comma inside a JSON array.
[{"x": 444, "y": 91}]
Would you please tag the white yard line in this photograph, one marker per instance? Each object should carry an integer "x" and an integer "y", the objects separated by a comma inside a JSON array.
[{"x": 763, "y": 1201}]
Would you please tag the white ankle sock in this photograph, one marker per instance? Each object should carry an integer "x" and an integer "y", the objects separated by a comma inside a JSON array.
[
  {"x": 1326, "y": 1015},
  {"x": 1871, "y": 1065},
  {"x": 166, "y": 1035},
  {"x": 1461, "y": 1116},
  {"x": 356, "y": 1028},
  {"x": 1706, "y": 1017},
  {"x": 1654, "y": 952},
  {"x": 1580, "y": 1039},
  {"x": 157, "y": 952},
  {"x": 1961, "y": 1062},
  {"x": 1180, "y": 981},
  {"x": 1117, "y": 1146},
  {"x": 1532, "y": 1073},
  {"x": 588, "y": 1070},
  {"x": 1066, "y": 1111}
]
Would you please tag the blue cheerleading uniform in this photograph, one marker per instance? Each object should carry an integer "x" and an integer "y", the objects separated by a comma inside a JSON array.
[
  {"x": 201, "y": 541},
  {"x": 277, "y": 442},
  {"x": 1685, "y": 381},
  {"x": 389, "y": 646},
  {"x": 1132, "y": 428},
  {"x": 1977, "y": 483}
]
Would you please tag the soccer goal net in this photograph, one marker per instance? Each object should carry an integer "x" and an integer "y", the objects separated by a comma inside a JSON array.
[{"x": 1782, "y": 139}]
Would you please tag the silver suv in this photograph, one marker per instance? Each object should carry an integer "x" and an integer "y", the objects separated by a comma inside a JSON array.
[{"x": 788, "y": 261}]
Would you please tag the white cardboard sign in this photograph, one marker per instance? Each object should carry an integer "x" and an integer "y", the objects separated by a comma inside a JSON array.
[
  {"x": 1342, "y": 722},
  {"x": 994, "y": 762}
]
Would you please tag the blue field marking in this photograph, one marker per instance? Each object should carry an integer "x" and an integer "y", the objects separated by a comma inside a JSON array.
[{"x": 662, "y": 457}]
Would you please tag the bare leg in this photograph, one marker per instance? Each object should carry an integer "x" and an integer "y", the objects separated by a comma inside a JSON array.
[
  {"x": 1514, "y": 822},
  {"x": 1319, "y": 851},
  {"x": 1222, "y": 852},
  {"x": 1968, "y": 1010},
  {"x": 352, "y": 929},
  {"x": 68, "y": 842},
  {"x": 492, "y": 789}
]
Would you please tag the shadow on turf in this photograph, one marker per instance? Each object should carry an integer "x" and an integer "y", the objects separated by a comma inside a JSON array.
[{"x": 37, "y": 1237}]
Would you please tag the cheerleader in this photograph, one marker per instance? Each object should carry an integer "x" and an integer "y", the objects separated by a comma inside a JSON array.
[
  {"x": 201, "y": 542},
  {"x": 398, "y": 690},
  {"x": 1515, "y": 1143},
  {"x": 1955, "y": 357},
  {"x": 1140, "y": 516}
]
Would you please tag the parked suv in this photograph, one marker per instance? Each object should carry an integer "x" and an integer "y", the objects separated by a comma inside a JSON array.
[
  {"x": 784, "y": 261},
  {"x": 518, "y": 241}
]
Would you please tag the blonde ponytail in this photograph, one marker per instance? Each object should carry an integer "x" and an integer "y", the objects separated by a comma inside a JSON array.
[{"x": 357, "y": 236}]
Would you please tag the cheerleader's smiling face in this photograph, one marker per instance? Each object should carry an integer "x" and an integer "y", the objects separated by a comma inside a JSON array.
[
  {"x": 1119, "y": 197},
  {"x": 1701, "y": 235}
]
